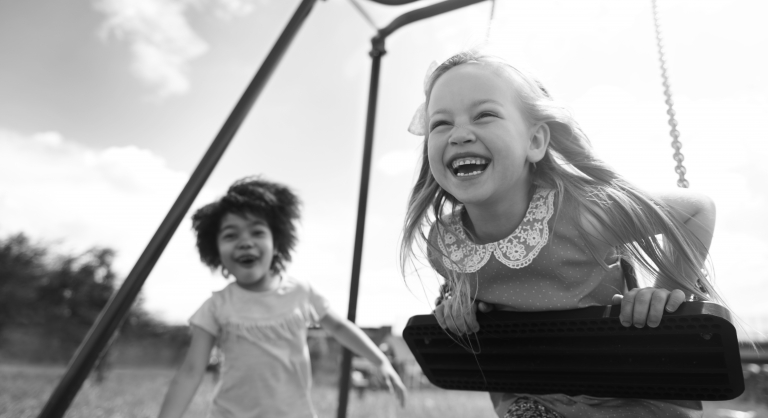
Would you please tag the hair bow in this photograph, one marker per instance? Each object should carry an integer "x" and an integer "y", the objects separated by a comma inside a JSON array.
[{"x": 418, "y": 124}]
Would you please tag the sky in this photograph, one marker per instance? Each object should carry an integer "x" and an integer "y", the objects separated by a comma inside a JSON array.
[{"x": 107, "y": 106}]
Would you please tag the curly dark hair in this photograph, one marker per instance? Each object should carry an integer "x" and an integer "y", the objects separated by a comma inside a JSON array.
[{"x": 273, "y": 202}]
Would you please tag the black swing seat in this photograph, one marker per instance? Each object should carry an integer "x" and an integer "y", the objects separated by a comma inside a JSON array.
[{"x": 692, "y": 355}]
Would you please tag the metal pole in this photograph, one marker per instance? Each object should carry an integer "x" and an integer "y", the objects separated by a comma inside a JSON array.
[
  {"x": 377, "y": 51},
  {"x": 346, "y": 362},
  {"x": 113, "y": 313}
]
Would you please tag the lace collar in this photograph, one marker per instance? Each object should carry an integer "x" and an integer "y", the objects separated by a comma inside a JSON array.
[{"x": 515, "y": 251}]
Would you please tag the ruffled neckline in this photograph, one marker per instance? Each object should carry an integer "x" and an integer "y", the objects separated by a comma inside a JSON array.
[{"x": 517, "y": 250}]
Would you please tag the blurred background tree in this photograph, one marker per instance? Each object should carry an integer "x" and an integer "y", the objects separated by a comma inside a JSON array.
[
  {"x": 49, "y": 300},
  {"x": 40, "y": 287},
  {"x": 22, "y": 267}
]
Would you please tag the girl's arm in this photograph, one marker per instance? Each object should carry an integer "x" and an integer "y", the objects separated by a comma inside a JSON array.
[
  {"x": 694, "y": 210},
  {"x": 646, "y": 306},
  {"x": 352, "y": 337},
  {"x": 190, "y": 374}
]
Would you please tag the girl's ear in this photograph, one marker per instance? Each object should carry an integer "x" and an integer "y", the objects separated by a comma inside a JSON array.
[{"x": 539, "y": 142}]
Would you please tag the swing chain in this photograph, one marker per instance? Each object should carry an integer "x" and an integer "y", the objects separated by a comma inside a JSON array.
[
  {"x": 674, "y": 133},
  {"x": 490, "y": 21}
]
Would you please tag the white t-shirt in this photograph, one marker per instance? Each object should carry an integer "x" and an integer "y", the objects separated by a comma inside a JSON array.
[{"x": 263, "y": 337}]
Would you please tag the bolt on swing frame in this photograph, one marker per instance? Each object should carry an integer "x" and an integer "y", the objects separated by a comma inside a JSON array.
[{"x": 113, "y": 314}]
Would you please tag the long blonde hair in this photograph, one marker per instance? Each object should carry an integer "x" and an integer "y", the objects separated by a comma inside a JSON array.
[{"x": 582, "y": 181}]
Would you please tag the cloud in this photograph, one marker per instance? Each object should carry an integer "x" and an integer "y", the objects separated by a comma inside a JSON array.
[
  {"x": 77, "y": 197},
  {"x": 79, "y": 185},
  {"x": 161, "y": 38},
  {"x": 227, "y": 9}
]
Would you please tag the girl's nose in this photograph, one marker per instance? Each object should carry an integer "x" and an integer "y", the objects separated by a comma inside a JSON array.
[
  {"x": 245, "y": 243},
  {"x": 462, "y": 135}
]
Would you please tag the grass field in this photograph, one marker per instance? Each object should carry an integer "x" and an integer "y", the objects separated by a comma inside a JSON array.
[{"x": 138, "y": 393}]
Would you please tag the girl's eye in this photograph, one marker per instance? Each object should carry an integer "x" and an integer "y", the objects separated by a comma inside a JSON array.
[
  {"x": 437, "y": 124},
  {"x": 485, "y": 115}
]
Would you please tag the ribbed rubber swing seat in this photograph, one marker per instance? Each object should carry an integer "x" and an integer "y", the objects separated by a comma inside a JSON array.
[{"x": 693, "y": 354}]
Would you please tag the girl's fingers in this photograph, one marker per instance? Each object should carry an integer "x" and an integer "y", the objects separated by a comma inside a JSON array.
[
  {"x": 390, "y": 387},
  {"x": 439, "y": 313},
  {"x": 461, "y": 320},
  {"x": 646, "y": 306},
  {"x": 399, "y": 389},
  {"x": 460, "y": 317},
  {"x": 394, "y": 384},
  {"x": 616, "y": 300},
  {"x": 658, "y": 301},
  {"x": 452, "y": 317},
  {"x": 473, "y": 326},
  {"x": 627, "y": 307},
  {"x": 642, "y": 304},
  {"x": 484, "y": 307},
  {"x": 676, "y": 298}
]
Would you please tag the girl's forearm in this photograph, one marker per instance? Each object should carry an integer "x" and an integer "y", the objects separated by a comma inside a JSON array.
[
  {"x": 180, "y": 393},
  {"x": 355, "y": 339},
  {"x": 352, "y": 337},
  {"x": 190, "y": 374},
  {"x": 702, "y": 226},
  {"x": 697, "y": 212}
]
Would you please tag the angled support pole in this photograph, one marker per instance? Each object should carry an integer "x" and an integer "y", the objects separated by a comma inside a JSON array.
[
  {"x": 113, "y": 313},
  {"x": 377, "y": 51}
]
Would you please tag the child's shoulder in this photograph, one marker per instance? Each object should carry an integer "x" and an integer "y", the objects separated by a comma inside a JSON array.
[
  {"x": 228, "y": 289},
  {"x": 221, "y": 296},
  {"x": 289, "y": 282}
]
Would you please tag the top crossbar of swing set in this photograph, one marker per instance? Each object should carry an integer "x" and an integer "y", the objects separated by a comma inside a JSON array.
[{"x": 111, "y": 317}]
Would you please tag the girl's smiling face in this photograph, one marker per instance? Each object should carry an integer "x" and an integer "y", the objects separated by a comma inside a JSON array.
[
  {"x": 246, "y": 249},
  {"x": 479, "y": 141}
]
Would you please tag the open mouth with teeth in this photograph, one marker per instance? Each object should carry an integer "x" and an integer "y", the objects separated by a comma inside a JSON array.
[
  {"x": 469, "y": 166},
  {"x": 246, "y": 260}
]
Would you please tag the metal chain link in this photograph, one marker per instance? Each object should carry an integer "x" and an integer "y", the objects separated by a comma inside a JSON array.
[
  {"x": 674, "y": 133},
  {"x": 490, "y": 21}
]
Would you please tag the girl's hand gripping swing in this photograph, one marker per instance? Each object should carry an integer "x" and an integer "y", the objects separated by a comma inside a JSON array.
[{"x": 451, "y": 316}]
